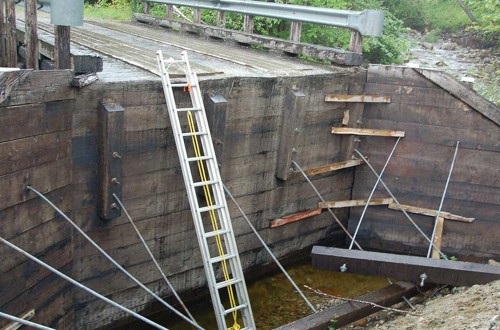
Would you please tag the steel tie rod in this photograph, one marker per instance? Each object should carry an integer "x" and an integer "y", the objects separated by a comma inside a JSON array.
[
  {"x": 442, "y": 199},
  {"x": 371, "y": 194},
  {"x": 153, "y": 258},
  {"x": 81, "y": 286},
  {"x": 270, "y": 252},
  {"x": 397, "y": 202},
  {"x": 105, "y": 254},
  {"x": 23, "y": 321},
  {"x": 323, "y": 200}
]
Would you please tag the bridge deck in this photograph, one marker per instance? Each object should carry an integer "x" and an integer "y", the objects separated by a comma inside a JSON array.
[{"x": 134, "y": 45}]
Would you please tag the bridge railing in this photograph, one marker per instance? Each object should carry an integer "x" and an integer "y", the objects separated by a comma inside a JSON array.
[{"x": 367, "y": 22}]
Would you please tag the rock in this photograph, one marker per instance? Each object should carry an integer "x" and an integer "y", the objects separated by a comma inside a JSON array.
[
  {"x": 427, "y": 45},
  {"x": 449, "y": 46},
  {"x": 440, "y": 63}
]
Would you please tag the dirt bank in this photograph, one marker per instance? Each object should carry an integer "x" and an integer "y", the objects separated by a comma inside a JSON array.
[{"x": 476, "y": 307}]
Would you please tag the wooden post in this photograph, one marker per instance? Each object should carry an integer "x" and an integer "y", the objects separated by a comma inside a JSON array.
[
  {"x": 356, "y": 45},
  {"x": 147, "y": 7},
  {"x": 170, "y": 11},
  {"x": 31, "y": 37},
  {"x": 248, "y": 24},
  {"x": 295, "y": 31},
  {"x": 437, "y": 238},
  {"x": 11, "y": 41},
  {"x": 197, "y": 15},
  {"x": 221, "y": 19},
  {"x": 111, "y": 119},
  {"x": 62, "y": 53},
  {"x": 3, "y": 61}
]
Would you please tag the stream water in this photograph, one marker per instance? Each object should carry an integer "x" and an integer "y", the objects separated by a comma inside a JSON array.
[{"x": 274, "y": 301}]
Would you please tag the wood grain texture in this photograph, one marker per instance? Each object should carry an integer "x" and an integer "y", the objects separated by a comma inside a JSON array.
[
  {"x": 357, "y": 98},
  {"x": 429, "y": 212},
  {"x": 354, "y": 203},
  {"x": 367, "y": 131}
]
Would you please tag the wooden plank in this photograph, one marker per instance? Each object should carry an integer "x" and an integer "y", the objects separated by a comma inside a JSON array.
[
  {"x": 357, "y": 98},
  {"x": 331, "y": 167},
  {"x": 248, "y": 24},
  {"x": 62, "y": 52},
  {"x": 450, "y": 84},
  {"x": 429, "y": 212},
  {"x": 3, "y": 57},
  {"x": 111, "y": 121},
  {"x": 295, "y": 31},
  {"x": 291, "y": 126},
  {"x": 216, "y": 108},
  {"x": 295, "y": 217},
  {"x": 349, "y": 312},
  {"x": 354, "y": 203},
  {"x": 367, "y": 131},
  {"x": 9, "y": 81},
  {"x": 356, "y": 43},
  {"x": 24, "y": 316},
  {"x": 31, "y": 40},
  {"x": 345, "y": 119},
  {"x": 408, "y": 268},
  {"x": 437, "y": 238},
  {"x": 10, "y": 20}
]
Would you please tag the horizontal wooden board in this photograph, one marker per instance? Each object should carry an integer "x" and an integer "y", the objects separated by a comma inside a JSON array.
[
  {"x": 355, "y": 202},
  {"x": 331, "y": 167},
  {"x": 428, "y": 212},
  {"x": 367, "y": 131},
  {"x": 294, "y": 217},
  {"x": 357, "y": 98}
]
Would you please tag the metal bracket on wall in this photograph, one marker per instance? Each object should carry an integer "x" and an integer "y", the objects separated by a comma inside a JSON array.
[{"x": 111, "y": 120}]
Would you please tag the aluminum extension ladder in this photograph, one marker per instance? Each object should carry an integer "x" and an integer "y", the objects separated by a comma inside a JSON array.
[{"x": 202, "y": 178}]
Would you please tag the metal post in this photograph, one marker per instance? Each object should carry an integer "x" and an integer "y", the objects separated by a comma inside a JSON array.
[
  {"x": 397, "y": 202},
  {"x": 442, "y": 199},
  {"x": 372, "y": 192}
]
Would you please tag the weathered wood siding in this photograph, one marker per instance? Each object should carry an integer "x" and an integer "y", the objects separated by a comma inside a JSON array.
[
  {"x": 35, "y": 149},
  {"x": 434, "y": 120}
]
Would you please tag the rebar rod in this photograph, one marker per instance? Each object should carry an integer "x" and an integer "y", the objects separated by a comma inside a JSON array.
[
  {"x": 324, "y": 202},
  {"x": 266, "y": 247},
  {"x": 399, "y": 205},
  {"x": 371, "y": 194},
  {"x": 153, "y": 258},
  {"x": 81, "y": 286},
  {"x": 442, "y": 199},
  {"x": 23, "y": 321},
  {"x": 105, "y": 254}
]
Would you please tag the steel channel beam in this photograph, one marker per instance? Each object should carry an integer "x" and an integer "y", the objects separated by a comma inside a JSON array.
[{"x": 368, "y": 22}]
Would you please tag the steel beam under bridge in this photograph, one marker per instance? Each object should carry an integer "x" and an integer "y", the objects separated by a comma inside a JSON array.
[
  {"x": 407, "y": 268},
  {"x": 368, "y": 22}
]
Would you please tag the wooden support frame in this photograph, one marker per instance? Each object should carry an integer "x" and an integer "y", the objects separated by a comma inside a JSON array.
[
  {"x": 62, "y": 47},
  {"x": 291, "y": 126},
  {"x": 111, "y": 123},
  {"x": 357, "y": 98},
  {"x": 407, "y": 268},
  {"x": 437, "y": 238},
  {"x": 11, "y": 41},
  {"x": 16, "y": 325},
  {"x": 331, "y": 167},
  {"x": 349, "y": 312},
  {"x": 31, "y": 36},
  {"x": 367, "y": 132},
  {"x": 295, "y": 217},
  {"x": 429, "y": 212},
  {"x": 355, "y": 203},
  {"x": 215, "y": 108}
]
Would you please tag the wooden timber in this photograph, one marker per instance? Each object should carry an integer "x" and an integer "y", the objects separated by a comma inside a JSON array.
[
  {"x": 408, "y": 268},
  {"x": 349, "y": 312},
  {"x": 330, "y": 167},
  {"x": 438, "y": 238},
  {"x": 429, "y": 212},
  {"x": 367, "y": 131},
  {"x": 62, "y": 48},
  {"x": 3, "y": 54},
  {"x": 354, "y": 203},
  {"x": 31, "y": 35},
  {"x": 11, "y": 43},
  {"x": 357, "y": 98},
  {"x": 295, "y": 217}
]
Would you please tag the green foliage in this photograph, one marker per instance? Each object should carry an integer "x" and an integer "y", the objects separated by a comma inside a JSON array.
[
  {"x": 332, "y": 324},
  {"x": 120, "y": 10}
]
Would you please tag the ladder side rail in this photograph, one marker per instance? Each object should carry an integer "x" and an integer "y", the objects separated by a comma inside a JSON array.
[{"x": 187, "y": 176}]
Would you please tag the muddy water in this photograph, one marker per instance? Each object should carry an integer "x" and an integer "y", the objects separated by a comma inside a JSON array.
[{"x": 275, "y": 303}]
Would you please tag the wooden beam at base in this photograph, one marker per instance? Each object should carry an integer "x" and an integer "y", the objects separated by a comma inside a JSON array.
[
  {"x": 331, "y": 167},
  {"x": 357, "y": 98},
  {"x": 429, "y": 212},
  {"x": 355, "y": 202},
  {"x": 349, "y": 312},
  {"x": 25, "y": 316},
  {"x": 407, "y": 268},
  {"x": 367, "y": 131},
  {"x": 295, "y": 217},
  {"x": 437, "y": 238}
]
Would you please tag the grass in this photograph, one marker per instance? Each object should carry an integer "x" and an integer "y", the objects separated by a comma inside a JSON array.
[
  {"x": 121, "y": 12},
  {"x": 444, "y": 15}
]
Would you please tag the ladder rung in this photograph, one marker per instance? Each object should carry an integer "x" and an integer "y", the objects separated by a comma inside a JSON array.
[
  {"x": 194, "y": 134},
  {"x": 216, "y": 233},
  {"x": 237, "y": 308},
  {"x": 205, "y": 183},
  {"x": 194, "y": 159},
  {"x": 223, "y": 257},
  {"x": 224, "y": 284},
  {"x": 210, "y": 208},
  {"x": 171, "y": 60},
  {"x": 187, "y": 109},
  {"x": 180, "y": 85}
]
